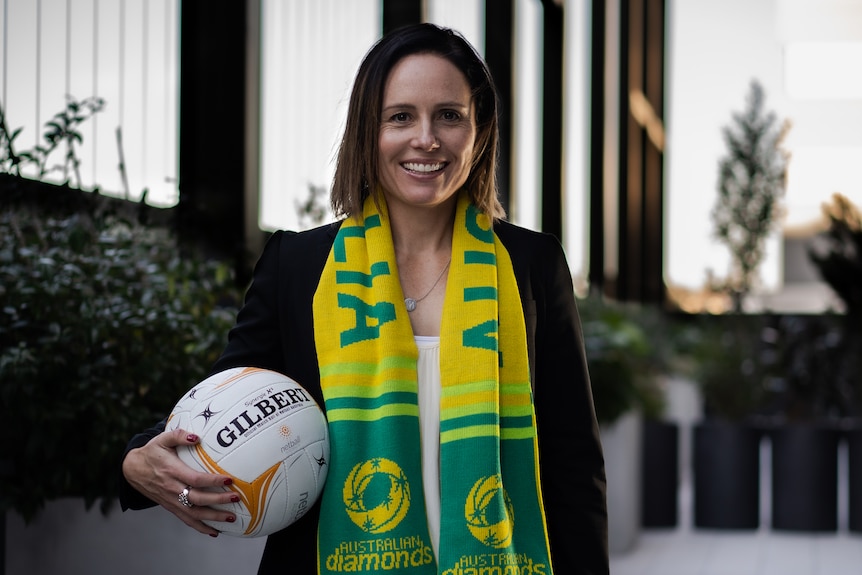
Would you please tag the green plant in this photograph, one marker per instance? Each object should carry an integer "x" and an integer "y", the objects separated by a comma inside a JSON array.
[
  {"x": 751, "y": 183},
  {"x": 103, "y": 325},
  {"x": 624, "y": 362},
  {"x": 62, "y": 128},
  {"x": 313, "y": 209},
  {"x": 732, "y": 362},
  {"x": 811, "y": 368},
  {"x": 841, "y": 264}
]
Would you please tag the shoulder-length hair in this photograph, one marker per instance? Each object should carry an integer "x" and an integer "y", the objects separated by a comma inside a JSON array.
[{"x": 356, "y": 168}]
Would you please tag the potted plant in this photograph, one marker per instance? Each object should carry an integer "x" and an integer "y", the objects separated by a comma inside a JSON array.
[
  {"x": 840, "y": 265},
  {"x": 751, "y": 181},
  {"x": 807, "y": 413},
  {"x": 728, "y": 367},
  {"x": 622, "y": 372},
  {"x": 726, "y": 446}
]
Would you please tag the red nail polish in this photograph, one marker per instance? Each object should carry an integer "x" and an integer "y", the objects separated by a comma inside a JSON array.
[
  {"x": 228, "y": 481},
  {"x": 234, "y": 499},
  {"x": 213, "y": 534},
  {"x": 192, "y": 437},
  {"x": 231, "y": 519}
]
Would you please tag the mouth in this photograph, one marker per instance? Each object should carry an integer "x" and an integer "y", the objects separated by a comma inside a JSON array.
[{"x": 423, "y": 168}]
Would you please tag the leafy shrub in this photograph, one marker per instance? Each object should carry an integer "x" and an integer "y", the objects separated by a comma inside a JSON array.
[
  {"x": 103, "y": 325},
  {"x": 624, "y": 362},
  {"x": 733, "y": 360}
]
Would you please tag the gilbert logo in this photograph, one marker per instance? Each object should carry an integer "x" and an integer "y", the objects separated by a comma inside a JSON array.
[
  {"x": 376, "y": 495},
  {"x": 489, "y": 512}
]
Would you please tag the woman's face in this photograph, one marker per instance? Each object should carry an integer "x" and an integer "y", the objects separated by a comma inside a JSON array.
[{"x": 427, "y": 132}]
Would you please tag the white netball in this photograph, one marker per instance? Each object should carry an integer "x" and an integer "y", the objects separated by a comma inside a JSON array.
[{"x": 266, "y": 432}]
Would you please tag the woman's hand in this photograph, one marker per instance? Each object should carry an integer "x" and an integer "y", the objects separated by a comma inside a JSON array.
[{"x": 157, "y": 472}]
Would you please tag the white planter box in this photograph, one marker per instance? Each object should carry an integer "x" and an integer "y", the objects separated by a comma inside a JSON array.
[
  {"x": 621, "y": 442},
  {"x": 66, "y": 539}
]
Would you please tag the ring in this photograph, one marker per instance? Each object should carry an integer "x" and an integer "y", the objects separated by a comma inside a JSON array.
[{"x": 183, "y": 497}]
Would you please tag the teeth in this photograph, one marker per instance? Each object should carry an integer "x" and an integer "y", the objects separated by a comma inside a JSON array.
[{"x": 413, "y": 167}]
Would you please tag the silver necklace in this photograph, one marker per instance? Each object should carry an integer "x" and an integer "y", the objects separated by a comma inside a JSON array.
[{"x": 411, "y": 302}]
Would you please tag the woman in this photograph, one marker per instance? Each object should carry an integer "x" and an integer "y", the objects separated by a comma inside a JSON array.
[{"x": 469, "y": 322}]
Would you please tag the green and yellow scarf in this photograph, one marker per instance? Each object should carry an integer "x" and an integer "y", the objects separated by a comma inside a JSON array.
[{"x": 373, "y": 509}]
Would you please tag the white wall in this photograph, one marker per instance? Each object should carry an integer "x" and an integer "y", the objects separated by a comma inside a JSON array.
[{"x": 67, "y": 540}]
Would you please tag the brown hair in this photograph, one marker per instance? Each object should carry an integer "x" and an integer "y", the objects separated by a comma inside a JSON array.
[{"x": 356, "y": 168}]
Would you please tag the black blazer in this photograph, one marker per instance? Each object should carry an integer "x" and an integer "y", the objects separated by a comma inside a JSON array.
[{"x": 274, "y": 330}]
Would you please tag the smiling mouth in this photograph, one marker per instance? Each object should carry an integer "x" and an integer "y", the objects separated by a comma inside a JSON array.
[{"x": 423, "y": 168}]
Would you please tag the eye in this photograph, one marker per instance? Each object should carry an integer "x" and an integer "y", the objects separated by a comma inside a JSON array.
[
  {"x": 400, "y": 117},
  {"x": 450, "y": 115}
]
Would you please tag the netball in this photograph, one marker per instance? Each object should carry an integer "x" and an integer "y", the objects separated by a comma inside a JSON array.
[{"x": 266, "y": 432}]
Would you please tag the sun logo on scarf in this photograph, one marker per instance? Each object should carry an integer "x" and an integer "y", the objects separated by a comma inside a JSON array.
[
  {"x": 376, "y": 495},
  {"x": 489, "y": 512}
]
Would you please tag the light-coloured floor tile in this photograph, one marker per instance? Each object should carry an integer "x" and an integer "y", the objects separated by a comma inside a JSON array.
[
  {"x": 838, "y": 555},
  {"x": 686, "y": 550}
]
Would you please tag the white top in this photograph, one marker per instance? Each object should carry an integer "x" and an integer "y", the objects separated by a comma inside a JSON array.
[{"x": 428, "y": 369}]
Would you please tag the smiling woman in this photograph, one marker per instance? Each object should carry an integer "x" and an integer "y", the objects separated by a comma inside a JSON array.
[
  {"x": 427, "y": 133},
  {"x": 439, "y": 401}
]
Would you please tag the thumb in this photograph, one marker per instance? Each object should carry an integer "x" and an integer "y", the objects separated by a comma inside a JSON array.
[{"x": 180, "y": 437}]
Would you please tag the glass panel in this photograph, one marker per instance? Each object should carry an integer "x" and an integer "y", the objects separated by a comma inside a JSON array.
[{"x": 310, "y": 52}]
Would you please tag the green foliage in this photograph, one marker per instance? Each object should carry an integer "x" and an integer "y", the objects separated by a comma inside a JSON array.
[
  {"x": 841, "y": 267},
  {"x": 789, "y": 367},
  {"x": 313, "y": 210},
  {"x": 62, "y": 128},
  {"x": 751, "y": 183},
  {"x": 103, "y": 325},
  {"x": 815, "y": 374},
  {"x": 624, "y": 361},
  {"x": 732, "y": 362}
]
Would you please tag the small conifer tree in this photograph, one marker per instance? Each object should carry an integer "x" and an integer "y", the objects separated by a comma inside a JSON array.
[{"x": 751, "y": 182}]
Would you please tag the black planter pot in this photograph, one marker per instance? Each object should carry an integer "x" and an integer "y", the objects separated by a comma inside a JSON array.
[
  {"x": 854, "y": 460},
  {"x": 804, "y": 478},
  {"x": 726, "y": 475},
  {"x": 659, "y": 474}
]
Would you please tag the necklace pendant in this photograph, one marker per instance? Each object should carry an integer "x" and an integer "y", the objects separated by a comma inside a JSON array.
[{"x": 410, "y": 303}]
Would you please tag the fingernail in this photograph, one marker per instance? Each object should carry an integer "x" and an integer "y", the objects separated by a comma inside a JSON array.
[
  {"x": 234, "y": 499},
  {"x": 213, "y": 534},
  {"x": 230, "y": 519},
  {"x": 192, "y": 437},
  {"x": 228, "y": 481}
]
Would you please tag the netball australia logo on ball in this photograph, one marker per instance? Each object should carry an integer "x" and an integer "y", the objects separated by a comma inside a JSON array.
[
  {"x": 376, "y": 495},
  {"x": 489, "y": 512}
]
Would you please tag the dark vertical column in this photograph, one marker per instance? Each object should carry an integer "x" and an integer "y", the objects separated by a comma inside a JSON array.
[
  {"x": 642, "y": 39},
  {"x": 552, "y": 123},
  {"x": 631, "y": 151},
  {"x": 596, "y": 274},
  {"x": 254, "y": 237},
  {"x": 499, "y": 34},
  {"x": 653, "y": 162},
  {"x": 212, "y": 111},
  {"x": 398, "y": 13}
]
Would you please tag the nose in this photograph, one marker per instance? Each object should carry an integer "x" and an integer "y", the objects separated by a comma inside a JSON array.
[{"x": 426, "y": 138}]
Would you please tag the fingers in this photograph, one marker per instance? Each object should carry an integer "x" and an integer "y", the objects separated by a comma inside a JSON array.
[
  {"x": 193, "y": 508},
  {"x": 179, "y": 437},
  {"x": 206, "y": 497},
  {"x": 157, "y": 472}
]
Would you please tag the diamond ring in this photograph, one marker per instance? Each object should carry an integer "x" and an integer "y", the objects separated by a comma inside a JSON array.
[{"x": 183, "y": 497}]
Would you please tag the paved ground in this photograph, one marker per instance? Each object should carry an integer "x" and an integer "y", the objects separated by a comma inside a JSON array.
[{"x": 688, "y": 551}]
